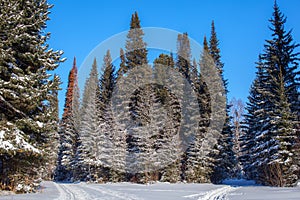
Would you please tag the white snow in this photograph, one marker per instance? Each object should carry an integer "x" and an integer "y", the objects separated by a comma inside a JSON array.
[
  {"x": 6, "y": 145},
  {"x": 2, "y": 135},
  {"x": 40, "y": 124},
  {"x": 14, "y": 140},
  {"x": 157, "y": 191},
  {"x": 220, "y": 193}
]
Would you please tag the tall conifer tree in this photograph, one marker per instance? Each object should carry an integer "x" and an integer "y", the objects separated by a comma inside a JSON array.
[
  {"x": 274, "y": 132},
  {"x": 225, "y": 160},
  {"x": 68, "y": 130},
  {"x": 136, "y": 51},
  {"x": 90, "y": 148},
  {"x": 25, "y": 89}
]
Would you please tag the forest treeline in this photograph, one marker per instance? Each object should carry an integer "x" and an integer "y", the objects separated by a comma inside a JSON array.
[{"x": 114, "y": 133}]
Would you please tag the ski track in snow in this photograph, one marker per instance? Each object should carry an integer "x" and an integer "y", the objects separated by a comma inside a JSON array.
[
  {"x": 71, "y": 192},
  {"x": 113, "y": 193},
  {"x": 79, "y": 193},
  {"x": 218, "y": 194},
  {"x": 63, "y": 195},
  {"x": 194, "y": 195}
]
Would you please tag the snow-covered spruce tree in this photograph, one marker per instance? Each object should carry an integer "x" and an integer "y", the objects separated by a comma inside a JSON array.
[
  {"x": 196, "y": 161},
  {"x": 117, "y": 163},
  {"x": 25, "y": 91},
  {"x": 135, "y": 56},
  {"x": 167, "y": 143},
  {"x": 183, "y": 63},
  {"x": 72, "y": 129},
  {"x": 68, "y": 130},
  {"x": 190, "y": 110},
  {"x": 142, "y": 128},
  {"x": 52, "y": 147},
  {"x": 123, "y": 68},
  {"x": 89, "y": 154},
  {"x": 254, "y": 125},
  {"x": 135, "y": 49},
  {"x": 201, "y": 159},
  {"x": 282, "y": 62},
  {"x": 195, "y": 75},
  {"x": 225, "y": 159},
  {"x": 115, "y": 152},
  {"x": 276, "y": 136}
]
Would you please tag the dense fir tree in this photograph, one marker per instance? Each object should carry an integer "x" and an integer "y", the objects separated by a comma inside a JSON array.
[
  {"x": 255, "y": 125},
  {"x": 203, "y": 165},
  {"x": 68, "y": 130},
  {"x": 25, "y": 91},
  {"x": 165, "y": 60},
  {"x": 53, "y": 142},
  {"x": 195, "y": 75},
  {"x": 122, "y": 69},
  {"x": 136, "y": 56},
  {"x": 273, "y": 101},
  {"x": 183, "y": 63},
  {"x": 225, "y": 160},
  {"x": 205, "y": 45},
  {"x": 72, "y": 82},
  {"x": 140, "y": 138},
  {"x": 107, "y": 80},
  {"x": 136, "y": 51},
  {"x": 214, "y": 49},
  {"x": 282, "y": 62},
  {"x": 162, "y": 64},
  {"x": 90, "y": 148},
  {"x": 193, "y": 161},
  {"x": 110, "y": 127},
  {"x": 168, "y": 141}
]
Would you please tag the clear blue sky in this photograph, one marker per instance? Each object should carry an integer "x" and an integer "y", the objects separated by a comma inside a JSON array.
[{"x": 77, "y": 27}]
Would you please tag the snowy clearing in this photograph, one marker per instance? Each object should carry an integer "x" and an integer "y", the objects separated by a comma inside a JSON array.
[{"x": 157, "y": 191}]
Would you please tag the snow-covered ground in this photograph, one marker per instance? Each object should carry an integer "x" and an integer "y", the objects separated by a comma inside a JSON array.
[{"x": 158, "y": 191}]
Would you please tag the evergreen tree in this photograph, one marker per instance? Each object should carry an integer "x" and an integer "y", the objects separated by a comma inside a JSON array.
[
  {"x": 108, "y": 79},
  {"x": 225, "y": 160},
  {"x": 123, "y": 69},
  {"x": 136, "y": 52},
  {"x": 167, "y": 142},
  {"x": 68, "y": 129},
  {"x": 25, "y": 90},
  {"x": 193, "y": 161},
  {"x": 205, "y": 45},
  {"x": 183, "y": 63},
  {"x": 162, "y": 64},
  {"x": 135, "y": 56},
  {"x": 214, "y": 49},
  {"x": 53, "y": 141},
  {"x": 116, "y": 151},
  {"x": 199, "y": 163},
  {"x": 195, "y": 76},
  {"x": 255, "y": 125},
  {"x": 72, "y": 82},
  {"x": 275, "y": 132},
  {"x": 90, "y": 147},
  {"x": 282, "y": 62},
  {"x": 139, "y": 138}
]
